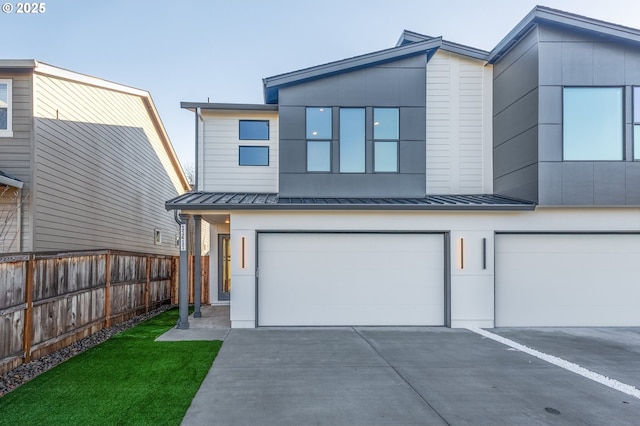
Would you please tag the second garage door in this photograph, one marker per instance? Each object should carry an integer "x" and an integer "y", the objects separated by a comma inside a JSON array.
[
  {"x": 567, "y": 280},
  {"x": 307, "y": 279}
]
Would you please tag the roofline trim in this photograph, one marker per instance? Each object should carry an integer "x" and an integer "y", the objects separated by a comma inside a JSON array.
[
  {"x": 413, "y": 37},
  {"x": 18, "y": 63},
  {"x": 228, "y": 107},
  {"x": 324, "y": 207},
  {"x": 541, "y": 14},
  {"x": 344, "y": 65}
]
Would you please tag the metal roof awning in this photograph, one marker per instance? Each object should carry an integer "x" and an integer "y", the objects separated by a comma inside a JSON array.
[{"x": 261, "y": 201}]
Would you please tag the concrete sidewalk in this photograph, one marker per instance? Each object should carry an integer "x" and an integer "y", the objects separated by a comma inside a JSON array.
[
  {"x": 409, "y": 376},
  {"x": 213, "y": 325}
]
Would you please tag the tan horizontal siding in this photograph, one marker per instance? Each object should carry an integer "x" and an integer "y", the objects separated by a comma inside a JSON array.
[{"x": 103, "y": 174}]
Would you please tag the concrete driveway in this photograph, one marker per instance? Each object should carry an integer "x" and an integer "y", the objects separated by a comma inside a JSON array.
[{"x": 417, "y": 376}]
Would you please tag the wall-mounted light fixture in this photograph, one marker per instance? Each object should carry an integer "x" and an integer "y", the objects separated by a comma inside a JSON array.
[
  {"x": 484, "y": 253},
  {"x": 242, "y": 257},
  {"x": 460, "y": 253},
  {"x": 157, "y": 236}
]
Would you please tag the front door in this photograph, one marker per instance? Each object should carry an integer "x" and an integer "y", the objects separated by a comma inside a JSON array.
[{"x": 224, "y": 266}]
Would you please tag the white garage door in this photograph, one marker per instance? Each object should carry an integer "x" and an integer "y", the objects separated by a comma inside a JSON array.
[
  {"x": 567, "y": 280},
  {"x": 350, "y": 279}
]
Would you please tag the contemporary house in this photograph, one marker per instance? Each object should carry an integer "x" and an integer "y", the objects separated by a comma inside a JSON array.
[
  {"x": 433, "y": 184},
  {"x": 84, "y": 164}
]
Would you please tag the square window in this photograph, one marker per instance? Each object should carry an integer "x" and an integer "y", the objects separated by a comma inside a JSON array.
[
  {"x": 253, "y": 155},
  {"x": 386, "y": 123},
  {"x": 318, "y": 156},
  {"x": 319, "y": 123},
  {"x": 592, "y": 123},
  {"x": 385, "y": 156},
  {"x": 256, "y": 130}
]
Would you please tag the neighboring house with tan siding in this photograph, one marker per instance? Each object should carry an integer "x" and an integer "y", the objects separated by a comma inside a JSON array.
[{"x": 93, "y": 159}]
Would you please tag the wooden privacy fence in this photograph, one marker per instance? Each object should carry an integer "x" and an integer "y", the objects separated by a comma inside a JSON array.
[
  {"x": 204, "y": 283},
  {"x": 48, "y": 301}
]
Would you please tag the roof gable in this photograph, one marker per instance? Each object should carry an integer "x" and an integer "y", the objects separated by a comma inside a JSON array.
[
  {"x": 409, "y": 37},
  {"x": 273, "y": 84},
  {"x": 542, "y": 14}
]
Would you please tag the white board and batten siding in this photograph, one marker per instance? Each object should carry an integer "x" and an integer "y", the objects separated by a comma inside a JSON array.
[
  {"x": 16, "y": 157},
  {"x": 220, "y": 171},
  {"x": 459, "y": 136},
  {"x": 102, "y": 172}
]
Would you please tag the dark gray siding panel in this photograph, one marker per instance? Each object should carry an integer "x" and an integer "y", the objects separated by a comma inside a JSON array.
[
  {"x": 550, "y": 184},
  {"x": 515, "y": 121},
  {"x": 632, "y": 183},
  {"x": 570, "y": 58},
  {"x": 609, "y": 183},
  {"x": 577, "y": 183},
  {"x": 400, "y": 84},
  {"x": 412, "y": 156},
  {"x": 522, "y": 184},
  {"x": 518, "y": 153},
  {"x": 352, "y": 185}
]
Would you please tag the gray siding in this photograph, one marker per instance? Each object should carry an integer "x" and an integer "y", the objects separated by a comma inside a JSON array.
[
  {"x": 515, "y": 121},
  {"x": 102, "y": 174},
  {"x": 568, "y": 58},
  {"x": 16, "y": 153},
  {"x": 399, "y": 84}
]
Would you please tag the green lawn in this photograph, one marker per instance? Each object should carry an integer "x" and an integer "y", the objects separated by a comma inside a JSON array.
[{"x": 127, "y": 380}]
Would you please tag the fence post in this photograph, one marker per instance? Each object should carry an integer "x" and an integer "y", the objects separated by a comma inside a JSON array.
[
  {"x": 147, "y": 287},
  {"x": 107, "y": 290},
  {"x": 27, "y": 333}
]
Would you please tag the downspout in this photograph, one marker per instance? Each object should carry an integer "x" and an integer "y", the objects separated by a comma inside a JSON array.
[
  {"x": 196, "y": 187},
  {"x": 19, "y": 220}
]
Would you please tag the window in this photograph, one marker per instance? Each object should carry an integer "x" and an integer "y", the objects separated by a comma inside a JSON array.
[
  {"x": 257, "y": 130},
  {"x": 318, "y": 156},
  {"x": 319, "y": 139},
  {"x": 253, "y": 156},
  {"x": 386, "y": 133},
  {"x": 318, "y": 123},
  {"x": 5, "y": 109},
  {"x": 592, "y": 123},
  {"x": 636, "y": 123},
  {"x": 352, "y": 140}
]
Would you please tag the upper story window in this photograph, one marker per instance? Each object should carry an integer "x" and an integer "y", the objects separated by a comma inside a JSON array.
[
  {"x": 5, "y": 109},
  {"x": 386, "y": 133},
  {"x": 636, "y": 123},
  {"x": 319, "y": 136},
  {"x": 253, "y": 156},
  {"x": 352, "y": 140},
  {"x": 256, "y": 130},
  {"x": 593, "y": 123}
]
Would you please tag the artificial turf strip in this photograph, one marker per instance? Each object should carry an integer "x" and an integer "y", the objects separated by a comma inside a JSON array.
[{"x": 127, "y": 380}]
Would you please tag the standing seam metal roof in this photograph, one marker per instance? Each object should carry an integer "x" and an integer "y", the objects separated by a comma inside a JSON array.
[{"x": 268, "y": 201}]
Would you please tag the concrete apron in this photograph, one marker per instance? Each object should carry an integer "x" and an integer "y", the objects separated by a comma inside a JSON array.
[
  {"x": 213, "y": 325},
  {"x": 394, "y": 375}
]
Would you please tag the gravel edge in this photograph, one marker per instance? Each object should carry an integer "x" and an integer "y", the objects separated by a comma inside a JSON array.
[{"x": 25, "y": 372}]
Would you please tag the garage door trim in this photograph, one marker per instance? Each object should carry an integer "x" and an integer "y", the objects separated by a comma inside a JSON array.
[{"x": 446, "y": 266}]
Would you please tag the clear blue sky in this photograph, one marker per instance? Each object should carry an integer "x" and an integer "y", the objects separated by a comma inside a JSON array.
[{"x": 191, "y": 50}]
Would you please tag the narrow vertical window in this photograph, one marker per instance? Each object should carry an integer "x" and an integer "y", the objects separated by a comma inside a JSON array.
[
  {"x": 5, "y": 109},
  {"x": 386, "y": 133},
  {"x": 352, "y": 140},
  {"x": 636, "y": 123},
  {"x": 318, "y": 132}
]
